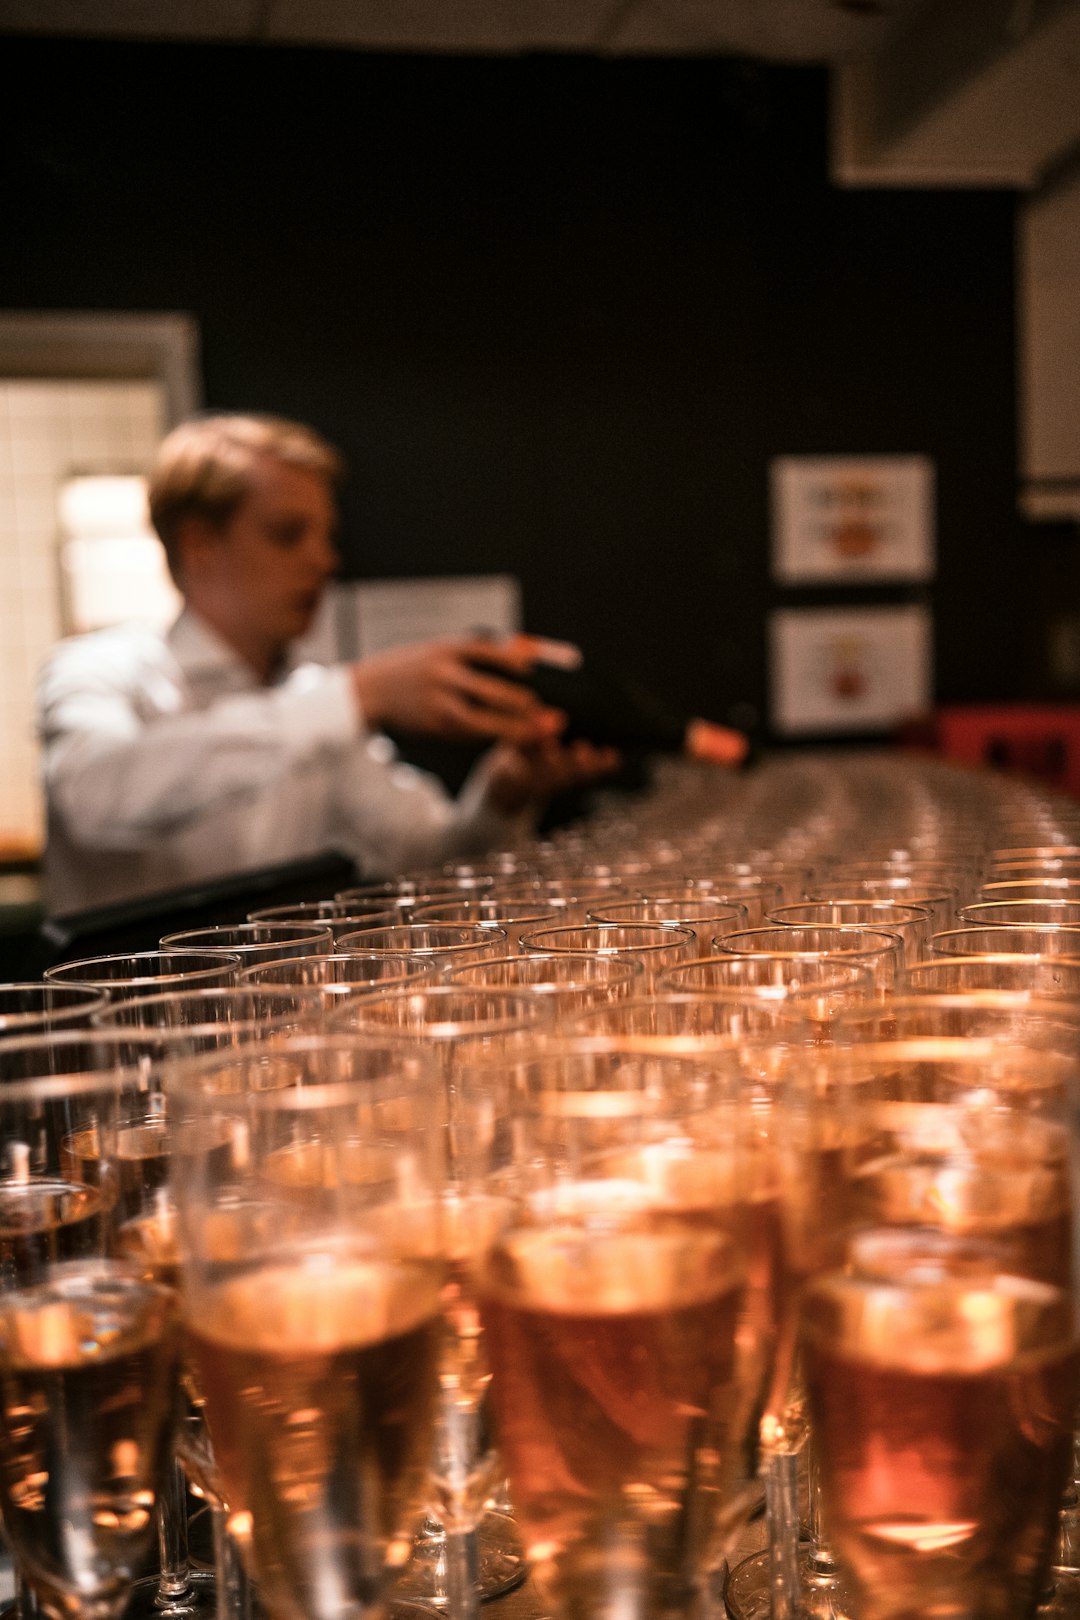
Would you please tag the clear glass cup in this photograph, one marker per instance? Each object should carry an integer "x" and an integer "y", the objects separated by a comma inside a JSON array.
[
  {"x": 705, "y": 917},
  {"x": 148, "y": 973},
  {"x": 940, "y": 900},
  {"x": 334, "y": 978},
  {"x": 514, "y": 917},
  {"x": 88, "y": 1347},
  {"x": 1021, "y": 913},
  {"x": 880, "y": 952},
  {"x": 1034, "y": 975},
  {"x": 983, "y": 939},
  {"x": 1030, "y": 888},
  {"x": 464, "y": 1555},
  {"x": 568, "y": 983},
  {"x": 668, "y": 1016},
  {"x": 1033, "y": 855},
  {"x": 239, "y": 1007},
  {"x": 386, "y": 892},
  {"x": 912, "y": 923},
  {"x": 254, "y": 941},
  {"x": 336, "y": 915},
  {"x": 312, "y": 1276},
  {"x": 443, "y": 944},
  {"x": 26, "y": 1006},
  {"x": 943, "y": 1297},
  {"x": 756, "y": 895},
  {"x": 655, "y": 946},
  {"x": 629, "y": 1357},
  {"x": 770, "y": 975}
]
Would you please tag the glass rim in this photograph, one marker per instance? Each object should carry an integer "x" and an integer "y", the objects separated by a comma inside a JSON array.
[
  {"x": 111, "y": 1079},
  {"x": 914, "y": 912},
  {"x": 870, "y": 951},
  {"x": 88, "y": 999},
  {"x": 303, "y": 993},
  {"x": 530, "y": 1017},
  {"x": 406, "y": 1055},
  {"x": 480, "y": 937},
  {"x": 681, "y": 935},
  {"x": 262, "y": 933},
  {"x": 211, "y": 962},
  {"x": 624, "y": 963}
]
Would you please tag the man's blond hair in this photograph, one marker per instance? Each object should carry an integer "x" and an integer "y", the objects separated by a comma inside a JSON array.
[{"x": 203, "y": 469}]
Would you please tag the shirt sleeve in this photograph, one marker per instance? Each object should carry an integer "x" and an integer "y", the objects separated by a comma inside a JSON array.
[
  {"x": 121, "y": 780},
  {"x": 392, "y": 816}
]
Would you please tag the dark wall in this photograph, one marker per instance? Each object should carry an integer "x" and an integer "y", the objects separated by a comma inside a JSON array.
[{"x": 559, "y": 312}]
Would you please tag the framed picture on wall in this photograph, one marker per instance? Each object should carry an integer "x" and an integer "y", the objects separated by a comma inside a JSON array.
[
  {"x": 846, "y": 670},
  {"x": 852, "y": 518}
]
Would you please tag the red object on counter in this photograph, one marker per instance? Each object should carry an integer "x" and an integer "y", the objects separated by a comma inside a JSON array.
[{"x": 1036, "y": 739}]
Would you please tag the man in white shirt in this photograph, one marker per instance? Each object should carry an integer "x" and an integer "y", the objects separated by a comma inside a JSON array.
[{"x": 205, "y": 751}]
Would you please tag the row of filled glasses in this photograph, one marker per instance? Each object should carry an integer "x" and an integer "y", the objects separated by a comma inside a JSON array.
[
  {"x": 381, "y": 1281},
  {"x": 473, "y": 1006}
]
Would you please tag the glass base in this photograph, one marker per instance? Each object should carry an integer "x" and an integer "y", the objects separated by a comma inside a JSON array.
[
  {"x": 500, "y": 1565},
  {"x": 1062, "y": 1602},
  {"x": 822, "y": 1595}
]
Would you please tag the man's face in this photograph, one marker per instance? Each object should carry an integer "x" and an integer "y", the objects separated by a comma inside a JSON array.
[{"x": 261, "y": 577}]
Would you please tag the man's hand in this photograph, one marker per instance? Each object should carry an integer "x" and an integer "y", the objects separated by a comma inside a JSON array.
[
  {"x": 531, "y": 773},
  {"x": 436, "y": 688}
]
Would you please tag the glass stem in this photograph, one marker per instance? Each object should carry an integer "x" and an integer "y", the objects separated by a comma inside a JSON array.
[
  {"x": 821, "y": 1558},
  {"x": 462, "y": 1574},
  {"x": 782, "y": 1522},
  {"x": 26, "y": 1603},
  {"x": 231, "y": 1584},
  {"x": 174, "y": 1585}
]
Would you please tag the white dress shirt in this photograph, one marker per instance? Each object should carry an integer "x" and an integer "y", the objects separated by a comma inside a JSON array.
[{"x": 167, "y": 762}]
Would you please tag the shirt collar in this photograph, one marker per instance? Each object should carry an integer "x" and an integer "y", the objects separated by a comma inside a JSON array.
[{"x": 203, "y": 654}]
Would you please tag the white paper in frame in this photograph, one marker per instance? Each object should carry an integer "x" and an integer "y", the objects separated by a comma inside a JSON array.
[
  {"x": 852, "y": 518},
  {"x": 848, "y": 670}
]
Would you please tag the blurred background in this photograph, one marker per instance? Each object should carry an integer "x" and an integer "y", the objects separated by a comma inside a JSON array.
[{"x": 564, "y": 279}]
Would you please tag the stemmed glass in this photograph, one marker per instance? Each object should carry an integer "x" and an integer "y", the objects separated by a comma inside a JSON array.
[
  {"x": 705, "y": 916},
  {"x": 567, "y": 983},
  {"x": 1022, "y": 913},
  {"x": 982, "y": 939},
  {"x": 311, "y": 1254},
  {"x": 939, "y": 1317},
  {"x": 514, "y": 916},
  {"x": 1037, "y": 975},
  {"x": 654, "y": 945},
  {"x": 463, "y": 1554},
  {"x": 332, "y": 979},
  {"x": 441, "y": 944},
  {"x": 37, "y": 1005},
  {"x": 147, "y": 973},
  {"x": 88, "y": 1348},
  {"x": 912, "y": 923},
  {"x": 629, "y": 1291},
  {"x": 254, "y": 941},
  {"x": 873, "y": 948},
  {"x": 149, "y": 1033}
]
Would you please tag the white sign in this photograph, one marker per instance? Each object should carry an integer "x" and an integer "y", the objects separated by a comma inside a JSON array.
[
  {"x": 362, "y": 617},
  {"x": 840, "y": 670},
  {"x": 852, "y": 518}
]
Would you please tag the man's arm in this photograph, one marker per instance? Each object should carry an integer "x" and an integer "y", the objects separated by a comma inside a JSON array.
[
  {"x": 392, "y": 817},
  {"x": 120, "y": 780}
]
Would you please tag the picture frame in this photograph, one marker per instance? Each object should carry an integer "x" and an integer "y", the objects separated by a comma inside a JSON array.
[
  {"x": 850, "y": 519},
  {"x": 835, "y": 671}
]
